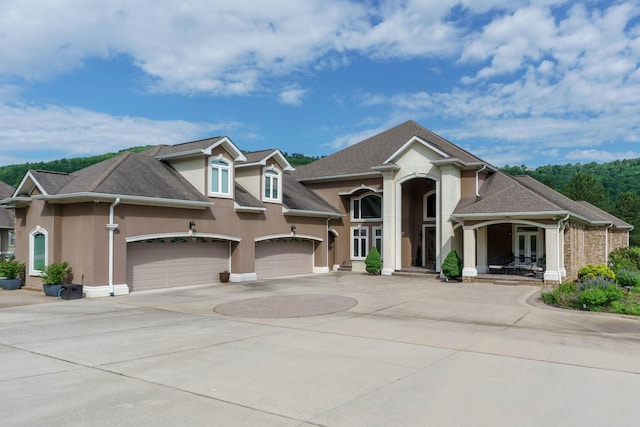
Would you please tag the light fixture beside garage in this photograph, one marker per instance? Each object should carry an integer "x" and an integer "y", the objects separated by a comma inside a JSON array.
[
  {"x": 192, "y": 226},
  {"x": 293, "y": 230}
]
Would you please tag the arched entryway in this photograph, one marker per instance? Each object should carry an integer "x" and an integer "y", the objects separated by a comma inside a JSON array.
[{"x": 418, "y": 228}]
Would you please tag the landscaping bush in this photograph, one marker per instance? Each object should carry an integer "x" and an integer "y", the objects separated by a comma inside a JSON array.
[
  {"x": 627, "y": 277},
  {"x": 562, "y": 295},
  {"x": 452, "y": 265},
  {"x": 593, "y": 271},
  {"x": 595, "y": 293},
  {"x": 373, "y": 262},
  {"x": 625, "y": 259}
]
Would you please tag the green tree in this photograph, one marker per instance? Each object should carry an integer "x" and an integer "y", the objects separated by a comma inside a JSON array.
[
  {"x": 627, "y": 208},
  {"x": 586, "y": 187}
]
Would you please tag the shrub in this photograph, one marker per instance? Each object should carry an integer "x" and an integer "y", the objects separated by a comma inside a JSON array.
[
  {"x": 627, "y": 277},
  {"x": 625, "y": 259},
  {"x": 593, "y": 271},
  {"x": 563, "y": 295},
  {"x": 57, "y": 273},
  {"x": 373, "y": 261},
  {"x": 598, "y": 292},
  {"x": 452, "y": 265}
]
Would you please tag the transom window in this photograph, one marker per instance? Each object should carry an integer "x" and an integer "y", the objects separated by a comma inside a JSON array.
[
  {"x": 367, "y": 207},
  {"x": 272, "y": 185},
  {"x": 220, "y": 177}
]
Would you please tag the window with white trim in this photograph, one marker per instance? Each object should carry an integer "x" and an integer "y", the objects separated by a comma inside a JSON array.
[
  {"x": 367, "y": 207},
  {"x": 359, "y": 242},
  {"x": 429, "y": 209},
  {"x": 377, "y": 238},
  {"x": 272, "y": 185},
  {"x": 12, "y": 238},
  {"x": 220, "y": 177},
  {"x": 38, "y": 253}
]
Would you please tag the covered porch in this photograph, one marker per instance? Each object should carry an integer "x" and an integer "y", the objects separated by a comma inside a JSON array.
[{"x": 513, "y": 251}]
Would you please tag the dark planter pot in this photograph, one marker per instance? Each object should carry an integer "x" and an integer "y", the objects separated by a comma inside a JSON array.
[
  {"x": 10, "y": 284},
  {"x": 52, "y": 290},
  {"x": 224, "y": 277}
]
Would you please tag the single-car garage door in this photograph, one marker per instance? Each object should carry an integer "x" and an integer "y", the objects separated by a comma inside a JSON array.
[
  {"x": 283, "y": 258},
  {"x": 161, "y": 263}
]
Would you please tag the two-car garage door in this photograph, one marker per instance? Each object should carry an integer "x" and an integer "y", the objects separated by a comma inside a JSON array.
[{"x": 164, "y": 264}]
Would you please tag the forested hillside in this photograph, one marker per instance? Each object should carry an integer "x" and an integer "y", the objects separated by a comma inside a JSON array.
[{"x": 613, "y": 187}]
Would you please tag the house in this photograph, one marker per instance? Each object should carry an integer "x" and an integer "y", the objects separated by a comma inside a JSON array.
[
  {"x": 178, "y": 215},
  {"x": 7, "y": 221}
]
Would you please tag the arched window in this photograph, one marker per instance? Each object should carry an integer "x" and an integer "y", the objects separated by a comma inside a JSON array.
[
  {"x": 430, "y": 209},
  {"x": 367, "y": 207},
  {"x": 221, "y": 177},
  {"x": 272, "y": 185},
  {"x": 38, "y": 253}
]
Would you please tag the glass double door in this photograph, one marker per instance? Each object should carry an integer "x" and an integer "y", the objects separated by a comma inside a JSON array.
[{"x": 527, "y": 245}]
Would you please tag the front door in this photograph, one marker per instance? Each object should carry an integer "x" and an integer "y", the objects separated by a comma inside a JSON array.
[
  {"x": 429, "y": 245},
  {"x": 527, "y": 243}
]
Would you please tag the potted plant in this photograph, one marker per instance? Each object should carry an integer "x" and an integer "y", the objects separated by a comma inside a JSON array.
[
  {"x": 224, "y": 276},
  {"x": 11, "y": 273},
  {"x": 54, "y": 276}
]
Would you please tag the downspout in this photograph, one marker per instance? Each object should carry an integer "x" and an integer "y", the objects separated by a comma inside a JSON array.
[
  {"x": 606, "y": 244},
  {"x": 111, "y": 227},
  {"x": 477, "y": 179},
  {"x": 560, "y": 223}
]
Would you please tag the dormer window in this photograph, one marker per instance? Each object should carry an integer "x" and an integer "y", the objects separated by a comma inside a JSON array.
[
  {"x": 366, "y": 208},
  {"x": 272, "y": 185},
  {"x": 220, "y": 176}
]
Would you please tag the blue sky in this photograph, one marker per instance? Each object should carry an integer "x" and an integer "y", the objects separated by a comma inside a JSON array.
[{"x": 514, "y": 82}]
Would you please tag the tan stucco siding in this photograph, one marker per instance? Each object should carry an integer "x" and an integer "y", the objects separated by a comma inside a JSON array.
[
  {"x": 193, "y": 169},
  {"x": 250, "y": 178}
]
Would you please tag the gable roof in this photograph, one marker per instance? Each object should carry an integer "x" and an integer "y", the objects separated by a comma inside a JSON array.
[
  {"x": 188, "y": 149},
  {"x": 505, "y": 195},
  {"x": 380, "y": 150},
  {"x": 259, "y": 158},
  {"x": 132, "y": 176}
]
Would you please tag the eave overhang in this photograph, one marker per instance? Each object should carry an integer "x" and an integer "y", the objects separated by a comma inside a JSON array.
[
  {"x": 332, "y": 178},
  {"x": 124, "y": 199},
  {"x": 247, "y": 209},
  {"x": 308, "y": 213}
]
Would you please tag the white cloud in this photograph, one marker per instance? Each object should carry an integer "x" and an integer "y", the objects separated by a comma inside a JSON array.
[
  {"x": 599, "y": 155},
  {"x": 292, "y": 96},
  {"x": 54, "y": 130}
]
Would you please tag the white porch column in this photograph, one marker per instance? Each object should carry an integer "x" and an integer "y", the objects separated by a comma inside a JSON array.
[
  {"x": 552, "y": 250},
  {"x": 482, "y": 262},
  {"x": 449, "y": 192},
  {"x": 388, "y": 224},
  {"x": 469, "y": 257}
]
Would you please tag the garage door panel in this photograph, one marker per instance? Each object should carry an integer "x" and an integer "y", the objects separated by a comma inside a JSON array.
[
  {"x": 162, "y": 265},
  {"x": 283, "y": 258}
]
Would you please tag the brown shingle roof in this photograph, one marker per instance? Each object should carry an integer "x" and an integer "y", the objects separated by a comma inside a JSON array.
[
  {"x": 374, "y": 151},
  {"x": 298, "y": 197},
  {"x": 7, "y": 216},
  {"x": 187, "y": 147},
  {"x": 129, "y": 174}
]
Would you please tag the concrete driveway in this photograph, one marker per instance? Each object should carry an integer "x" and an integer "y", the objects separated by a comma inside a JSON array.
[{"x": 388, "y": 351}]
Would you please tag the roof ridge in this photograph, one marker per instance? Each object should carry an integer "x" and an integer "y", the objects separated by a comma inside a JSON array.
[
  {"x": 109, "y": 171},
  {"x": 520, "y": 185}
]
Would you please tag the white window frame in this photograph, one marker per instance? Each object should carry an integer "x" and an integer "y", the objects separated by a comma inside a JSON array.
[
  {"x": 271, "y": 174},
  {"x": 32, "y": 234},
  {"x": 11, "y": 238},
  {"x": 377, "y": 238},
  {"x": 356, "y": 243},
  {"x": 219, "y": 169},
  {"x": 425, "y": 202},
  {"x": 359, "y": 201}
]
